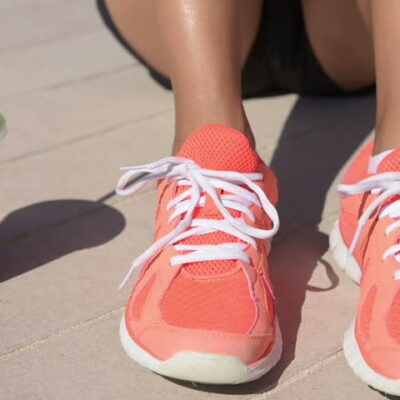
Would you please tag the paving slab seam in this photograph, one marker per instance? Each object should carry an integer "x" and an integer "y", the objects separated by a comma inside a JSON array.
[
  {"x": 105, "y": 131},
  {"x": 88, "y": 136},
  {"x": 83, "y": 78},
  {"x": 111, "y": 129},
  {"x": 63, "y": 332},
  {"x": 301, "y": 375},
  {"x": 32, "y": 44}
]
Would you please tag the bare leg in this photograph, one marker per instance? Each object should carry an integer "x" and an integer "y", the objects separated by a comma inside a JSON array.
[
  {"x": 356, "y": 40},
  {"x": 341, "y": 40},
  {"x": 385, "y": 17},
  {"x": 202, "y": 46}
]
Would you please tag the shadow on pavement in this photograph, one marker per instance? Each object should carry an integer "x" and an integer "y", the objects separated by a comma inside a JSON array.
[
  {"x": 39, "y": 233},
  {"x": 319, "y": 137}
]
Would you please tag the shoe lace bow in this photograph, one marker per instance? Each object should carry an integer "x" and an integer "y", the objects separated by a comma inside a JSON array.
[{"x": 201, "y": 182}]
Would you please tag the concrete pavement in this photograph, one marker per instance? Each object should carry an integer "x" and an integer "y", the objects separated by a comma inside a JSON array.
[{"x": 78, "y": 107}]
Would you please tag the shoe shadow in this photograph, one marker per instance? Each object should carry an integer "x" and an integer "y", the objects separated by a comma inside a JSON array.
[
  {"x": 39, "y": 233},
  {"x": 320, "y": 135},
  {"x": 388, "y": 396}
]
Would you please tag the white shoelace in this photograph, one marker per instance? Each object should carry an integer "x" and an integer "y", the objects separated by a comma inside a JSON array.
[
  {"x": 386, "y": 185},
  {"x": 200, "y": 182}
]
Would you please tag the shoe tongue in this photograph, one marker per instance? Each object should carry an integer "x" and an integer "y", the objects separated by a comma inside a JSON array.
[
  {"x": 218, "y": 147},
  {"x": 391, "y": 163}
]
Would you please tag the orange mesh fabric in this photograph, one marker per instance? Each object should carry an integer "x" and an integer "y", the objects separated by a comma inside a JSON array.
[
  {"x": 206, "y": 268},
  {"x": 215, "y": 146},
  {"x": 218, "y": 147},
  {"x": 222, "y": 304},
  {"x": 347, "y": 225},
  {"x": 366, "y": 312},
  {"x": 393, "y": 321},
  {"x": 269, "y": 300},
  {"x": 359, "y": 167},
  {"x": 141, "y": 298},
  {"x": 391, "y": 163}
]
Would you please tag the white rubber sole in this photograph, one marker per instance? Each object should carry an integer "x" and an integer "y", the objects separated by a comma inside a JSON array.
[
  {"x": 350, "y": 347},
  {"x": 346, "y": 262},
  {"x": 202, "y": 367}
]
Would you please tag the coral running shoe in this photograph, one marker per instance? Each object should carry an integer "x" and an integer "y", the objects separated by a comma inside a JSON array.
[
  {"x": 202, "y": 309},
  {"x": 366, "y": 244}
]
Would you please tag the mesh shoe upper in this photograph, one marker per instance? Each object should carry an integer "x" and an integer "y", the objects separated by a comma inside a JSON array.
[
  {"x": 228, "y": 300},
  {"x": 378, "y": 323}
]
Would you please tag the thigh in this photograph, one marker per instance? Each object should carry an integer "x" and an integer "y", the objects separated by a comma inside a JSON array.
[{"x": 341, "y": 38}]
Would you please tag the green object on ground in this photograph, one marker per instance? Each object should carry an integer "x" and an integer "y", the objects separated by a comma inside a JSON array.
[{"x": 2, "y": 126}]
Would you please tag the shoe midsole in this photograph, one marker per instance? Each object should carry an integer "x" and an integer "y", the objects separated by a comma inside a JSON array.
[{"x": 203, "y": 367}]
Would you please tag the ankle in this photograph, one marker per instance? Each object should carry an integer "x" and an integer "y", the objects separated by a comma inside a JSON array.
[
  {"x": 189, "y": 119},
  {"x": 387, "y": 132}
]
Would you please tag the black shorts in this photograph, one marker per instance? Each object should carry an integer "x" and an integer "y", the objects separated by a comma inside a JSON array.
[{"x": 281, "y": 59}]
